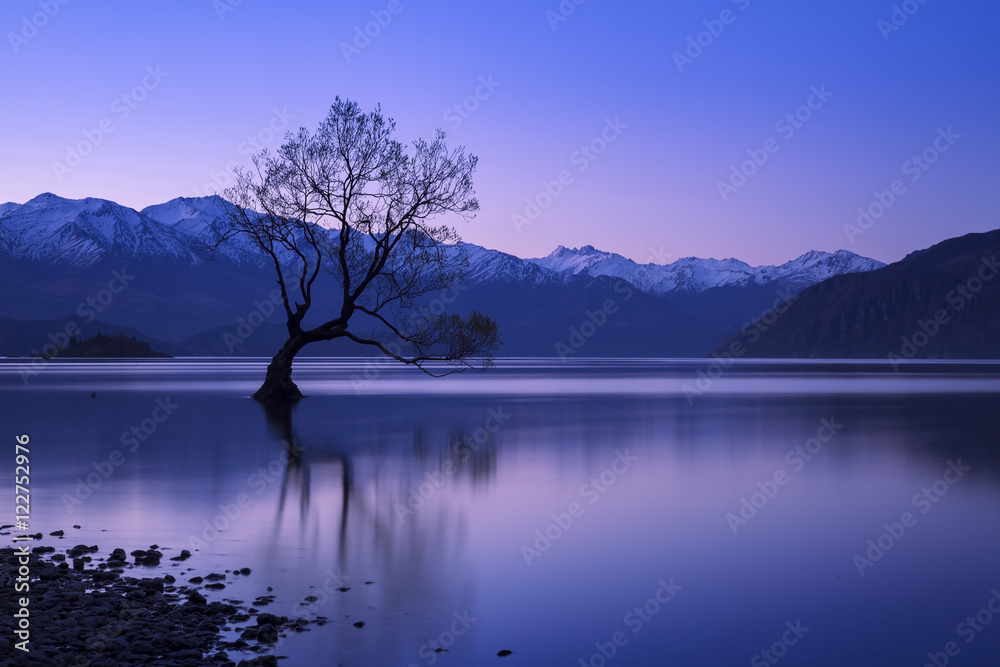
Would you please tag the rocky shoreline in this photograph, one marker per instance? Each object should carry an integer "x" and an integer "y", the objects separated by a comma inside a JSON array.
[{"x": 127, "y": 609}]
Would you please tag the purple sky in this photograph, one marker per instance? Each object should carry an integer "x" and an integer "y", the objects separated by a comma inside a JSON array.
[{"x": 678, "y": 124}]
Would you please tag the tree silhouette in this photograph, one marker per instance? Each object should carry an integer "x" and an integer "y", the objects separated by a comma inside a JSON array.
[{"x": 351, "y": 200}]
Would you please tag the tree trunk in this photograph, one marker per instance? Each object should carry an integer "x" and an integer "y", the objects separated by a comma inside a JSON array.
[{"x": 278, "y": 386}]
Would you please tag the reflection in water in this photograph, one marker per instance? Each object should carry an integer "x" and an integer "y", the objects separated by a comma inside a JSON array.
[
  {"x": 387, "y": 517},
  {"x": 411, "y": 486}
]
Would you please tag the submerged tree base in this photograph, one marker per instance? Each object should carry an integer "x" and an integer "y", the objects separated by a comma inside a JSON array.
[
  {"x": 278, "y": 386},
  {"x": 284, "y": 392}
]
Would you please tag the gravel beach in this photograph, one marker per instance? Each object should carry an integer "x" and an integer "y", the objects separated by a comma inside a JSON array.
[{"x": 104, "y": 607}]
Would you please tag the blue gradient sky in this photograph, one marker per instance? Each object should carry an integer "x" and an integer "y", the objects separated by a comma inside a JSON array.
[{"x": 652, "y": 195}]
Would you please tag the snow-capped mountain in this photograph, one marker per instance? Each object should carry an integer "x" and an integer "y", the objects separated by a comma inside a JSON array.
[
  {"x": 81, "y": 232},
  {"x": 693, "y": 275},
  {"x": 182, "y": 293},
  {"x": 494, "y": 266},
  {"x": 193, "y": 215},
  {"x": 200, "y": 218}
]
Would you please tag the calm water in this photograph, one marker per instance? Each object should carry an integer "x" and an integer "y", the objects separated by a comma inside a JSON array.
[{"x": 543, "y": 508}]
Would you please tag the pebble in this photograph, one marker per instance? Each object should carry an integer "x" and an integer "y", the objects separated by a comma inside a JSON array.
[{"x": 128, "y": 621}]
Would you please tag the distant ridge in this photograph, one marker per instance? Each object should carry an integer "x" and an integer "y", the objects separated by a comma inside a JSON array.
[
  {"x": 939, "y": 303},
  {"x": 692, "y": 274},
  {"x": 190, "y": 298}
]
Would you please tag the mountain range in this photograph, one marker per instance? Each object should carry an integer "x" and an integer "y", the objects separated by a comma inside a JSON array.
[
  {"x": 59, "y": 258},
  {"x": 939, "y": 303}
]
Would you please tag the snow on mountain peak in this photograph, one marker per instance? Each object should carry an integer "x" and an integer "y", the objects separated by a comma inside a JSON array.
[
  {"x": 693, "y": 274},
  {"x": 195, "y": 215},
  {"x": 81, "y": 232}
]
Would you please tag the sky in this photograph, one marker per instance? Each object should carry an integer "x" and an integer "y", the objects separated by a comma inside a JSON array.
[{"x": 657, "y": 130}]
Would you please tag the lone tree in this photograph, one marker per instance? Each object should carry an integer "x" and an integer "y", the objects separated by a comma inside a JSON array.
[{"x": 353, "y": 202}]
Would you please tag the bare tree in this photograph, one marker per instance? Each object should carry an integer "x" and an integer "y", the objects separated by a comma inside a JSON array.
[{"x": 351, "y": 201}]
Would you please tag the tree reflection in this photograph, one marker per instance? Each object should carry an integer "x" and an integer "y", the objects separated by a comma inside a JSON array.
[{"x": 389, "y": 526}]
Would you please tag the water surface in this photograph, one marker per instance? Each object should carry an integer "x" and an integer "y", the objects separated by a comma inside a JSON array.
[{"x": 542, "y": 508}]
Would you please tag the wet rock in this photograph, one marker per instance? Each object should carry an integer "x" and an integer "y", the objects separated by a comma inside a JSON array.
[
  {"x": 267, "y": 633},
  {"x": 151, "y": 584},
  {"x": 80, "y": 550},
  {"x": 103, "y": 618},
  {"x": 265, "y": 619},
  {"x": 259, "y": 661},
  {"x": 143, "y": 648}
]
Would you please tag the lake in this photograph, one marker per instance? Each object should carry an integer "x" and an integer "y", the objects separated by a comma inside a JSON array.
[{"x": 599, "y": 512}]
